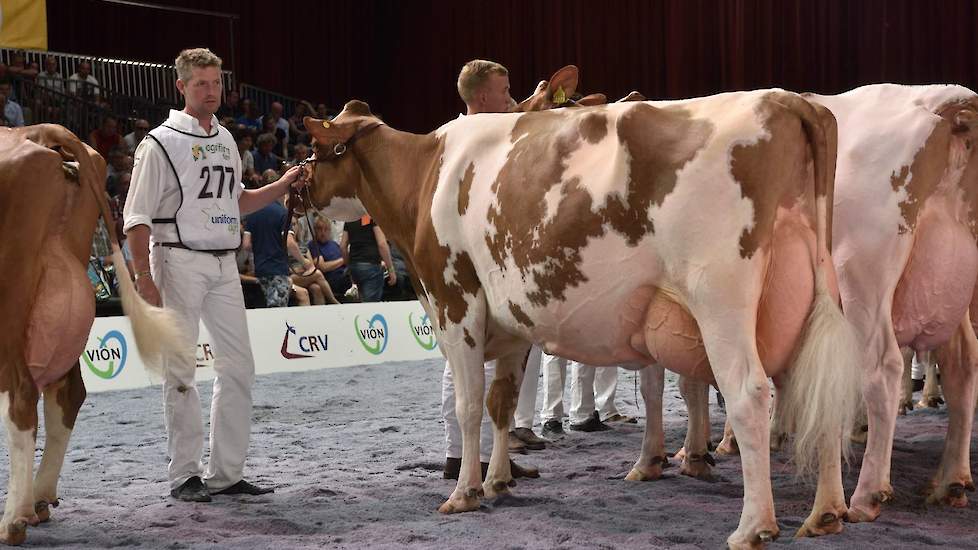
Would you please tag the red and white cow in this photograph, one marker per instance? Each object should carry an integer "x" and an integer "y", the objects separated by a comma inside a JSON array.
[
  {"x": 48, "y": 213},
  {"x": 625, "y": 233},
  {"x": 905, "y": 229}
]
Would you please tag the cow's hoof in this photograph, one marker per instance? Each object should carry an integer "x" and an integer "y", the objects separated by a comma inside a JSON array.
[
  {"x": 759, "y": 540},
  {"x": 818, "y": 525},
  {"x": 728, "y": 447},
  {"x": 43, "y": 511},
  {"x": 458, "y": 503},
  {"x": 494, "y": 488},
  {"x": 645, "y": 473},
  {"x": 778, "y": 441},
  {"x": 906, "y": 407},
  {"x": 950, "y": 495},
  {"x": 931, "y": 403},
  {"x": 699, "y": 467},
  {"x": 15, "y": 534},
  {"x": 680, "y": 455},
  {"x": 863, "y": 513}
]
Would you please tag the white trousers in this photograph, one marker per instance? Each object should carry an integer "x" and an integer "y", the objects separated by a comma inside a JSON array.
[
  {"x": 200, "y": 286},
  {"x": 917, "y": 368},
  {"x": 526, "y": 404},
  {"x": 589, "y": 386},
  {"x": 453, "y": 431}
]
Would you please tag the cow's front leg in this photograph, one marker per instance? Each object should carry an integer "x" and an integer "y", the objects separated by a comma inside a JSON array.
[
  {"x": 61, "y": 404},
  {"x": 653, "y": 457},
  {"x": 501, "y": 402},
  {"x": 18, "y": 406}
]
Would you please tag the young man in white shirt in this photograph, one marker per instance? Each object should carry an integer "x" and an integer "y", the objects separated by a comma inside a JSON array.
[{"x": 186, "y": 200}]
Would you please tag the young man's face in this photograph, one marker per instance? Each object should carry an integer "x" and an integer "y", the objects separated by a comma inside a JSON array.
[
  {"x": 323, "y": 232},
  {"x": 496, "y": 98},
  {"x": 50, "y": 65},
  {"x": 84, "y": 70},
  {"x": 202, "y": 92}
]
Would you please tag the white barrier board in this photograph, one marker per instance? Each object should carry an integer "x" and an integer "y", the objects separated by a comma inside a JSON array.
[{"x": 282, "y": 340}]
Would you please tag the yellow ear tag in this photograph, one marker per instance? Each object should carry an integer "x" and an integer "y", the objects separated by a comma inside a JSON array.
[
  {"x": 325, "y": 124},
  {"x": 559, "y": 96}
]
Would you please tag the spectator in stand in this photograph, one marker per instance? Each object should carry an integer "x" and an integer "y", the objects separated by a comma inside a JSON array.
[
  {"x": 83, "y": 84},
  {"x": 250, "y": 288},
  {"x": 231, "y": 107},
  {"x": 250, "y": 178},
  {"x": 50, "y": 77},
  {"x": 265, "y": 159},
  {"x": 268, "y": 127},
  {"x": 297, "y": 128},
  {"x": 115, "y": 165},
  {"x": 132, "y": 139},
  {"x": 321, "y": 112},
  {"x": 10, "y": 112},
  {"x": 299, "y": 153},
  {"x": 328, "y": 258},
  {"x": 19, "y": 67},
  {"x": 4, "y": 71},
  {"x": 106, "y": 137},
  {"x": 364, "y": 246},
  {"x": 276, "y": 111},
  {"x": 248, "y": 116},
  {"x": 402, "y": 289},
  {"x": 271, "y": 259}
]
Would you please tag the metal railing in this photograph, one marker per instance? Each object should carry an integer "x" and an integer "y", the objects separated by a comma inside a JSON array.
[
  {"x": 153, "y": 82},
  {"x": 263, "y": 99}
]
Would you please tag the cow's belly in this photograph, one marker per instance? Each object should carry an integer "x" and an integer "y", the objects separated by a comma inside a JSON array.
[{"x": 937, "y": 284}]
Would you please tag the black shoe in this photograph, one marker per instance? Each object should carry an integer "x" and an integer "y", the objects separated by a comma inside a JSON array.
[
  {"x": 592, "y": 424},
  {"x": 192, "y": 490},
  {"x": 244, "y": 488},
  {"x": 918, "y": 385},
  {"x": 452, "y": 467},
  {"x": 529, "y": 439},
  {"x": 552, "y": 427}
]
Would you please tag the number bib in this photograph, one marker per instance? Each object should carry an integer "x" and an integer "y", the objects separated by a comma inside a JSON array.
[{"x": 208, "y": 216}]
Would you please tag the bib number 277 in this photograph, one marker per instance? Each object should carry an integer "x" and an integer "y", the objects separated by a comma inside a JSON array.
[{"x": 227, "y": 175}]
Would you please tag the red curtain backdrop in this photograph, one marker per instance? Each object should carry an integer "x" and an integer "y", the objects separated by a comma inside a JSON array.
[{"x": 402, "y": 56}]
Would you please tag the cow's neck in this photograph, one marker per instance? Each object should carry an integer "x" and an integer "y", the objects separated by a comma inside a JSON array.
[{"x": 398, "y": 168}]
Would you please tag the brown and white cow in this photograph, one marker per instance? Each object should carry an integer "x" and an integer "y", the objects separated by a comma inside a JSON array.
[
  {"x": 48, "y": 215},
  {"x": 624, "y": 233}
]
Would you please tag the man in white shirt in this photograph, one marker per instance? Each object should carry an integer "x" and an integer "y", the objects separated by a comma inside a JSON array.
[
  {"x": 187, "y": 201},
  {"x": 83, "y": 84},
  {"x": 50, "y": 77},
  {"x": 132, "y": 139}
]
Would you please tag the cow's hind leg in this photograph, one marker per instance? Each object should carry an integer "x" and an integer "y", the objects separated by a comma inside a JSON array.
[
  {"x": 62, "y": 401},
  {"x": 653, "y": 457},
  {"x": 728, "y": 445},
  {"x": 18, "y": 406},
  {"x": 906, "y": 400},
  {"x": 959, "y": 362},
  {"x": 501, "y": 402},
  {"x": 696, "y": 459},
  {"x": 931, "y": 395}
]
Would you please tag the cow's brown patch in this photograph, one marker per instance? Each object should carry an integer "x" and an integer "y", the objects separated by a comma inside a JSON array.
[
  {"x": 501, "y": 401},
  {"x": 469, "y": 340},
  {"x": 926, "y": 169},
  {"x": 71, "y": 395},
  {"x": 660, "y": 142},
  {"x": 594, "y": 126},
  {"x": 768, "y": 172},
  {"x": 464, "y": 188},
  {"x": 520, "y": 315}
]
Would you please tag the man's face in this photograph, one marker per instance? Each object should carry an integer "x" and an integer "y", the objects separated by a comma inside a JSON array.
[
  {"x": 109, "y": 127},
  {"x": 245, "y": 143},
  {"x": 5, "y": 89},
  {"x": 84, "y": 69},
  {"x": 202, "y": 92},
  {"x": 301, "y": 152},
  {"x": 141, "y": 128},
  {"x": 277, "y": 110},
  {"x": 247, "y": 105},
  {"x": 495, "y": 94},
  {"x": 50, "y": 65},
  {"x": 266, "y": 147}
]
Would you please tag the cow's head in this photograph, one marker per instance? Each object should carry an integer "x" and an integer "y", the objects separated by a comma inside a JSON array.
[
  {"x": 551, "y": 93},
  {"x": 336, "y": 175}
]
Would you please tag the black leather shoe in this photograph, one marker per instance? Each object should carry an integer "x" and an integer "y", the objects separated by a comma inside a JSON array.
[
  {"x": 192, "y": 490},
  {"x": 918, "y": 385},
  {"x": 452, "y": 467},
  {"x": 244, "y": 488},
  {"x": 592, "y": 424},
  {"x": 552, "y": 428}
]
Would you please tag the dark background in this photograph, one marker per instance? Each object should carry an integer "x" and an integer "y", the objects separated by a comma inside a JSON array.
[{"x": 403, "y": 56}]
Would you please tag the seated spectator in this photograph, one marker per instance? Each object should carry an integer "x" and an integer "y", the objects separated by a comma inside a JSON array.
[
  {"x": 297, "y": 128},
  {"x": 402, "y": 289},
  {"x": 50, "y": 77},
  {"x": 139, "y": 131},
  {"x": 271, "y": 259},
  {"x": 306, "y": 276},
  {"x": 268, "y": 127},
  {"x": 321, "y": 112},
  {"x": 250, "y": 288},
  {"x": 11, "y": 114},
  {"x": 231, "y": 106},
  {"x": 19, "y": 67},
  {"x": 116, "y": 163},
  {"x": 299, "y": 153},
  {"x": 83, "y": 84},
  {"x": 249, "y": 116},
  {"x": 275, "y": 112},
  {"x": 265, "y": 159},
  {"x": 106, "y": 137},
  {"x": 364, "y": 246},
  {"x": 328, "y": 258}
]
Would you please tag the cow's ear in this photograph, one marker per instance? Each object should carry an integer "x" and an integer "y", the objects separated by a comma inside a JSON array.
[
  {"x": 592, "y": 99},
  {"x": 562, "y": 85},
  {"x": 325, "y": 131}
]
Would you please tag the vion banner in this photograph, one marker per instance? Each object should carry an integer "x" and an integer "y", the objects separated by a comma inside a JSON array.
[{"x": 282, "y": 340}]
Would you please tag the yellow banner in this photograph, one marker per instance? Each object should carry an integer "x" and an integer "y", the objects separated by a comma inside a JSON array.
[{"x": 24, "y": 24}]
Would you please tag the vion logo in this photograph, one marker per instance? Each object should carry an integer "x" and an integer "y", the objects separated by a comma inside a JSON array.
[
  {"x": 108, "y": 359},
  {"x": 424, "y": 335},
  {"x": 372, "y": 334},
  {"x": 307, "y": 343}
]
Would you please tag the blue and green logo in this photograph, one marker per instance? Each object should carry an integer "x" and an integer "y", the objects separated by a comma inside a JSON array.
[
  {"x": 424, "y": 335},
  {"x": 111, "y": 351},
  {"x": 374, "y": 335}
]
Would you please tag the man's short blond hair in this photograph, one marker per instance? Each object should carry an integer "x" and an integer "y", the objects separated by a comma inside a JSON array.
[
  {"x": 474, "y": 76},
  {"x": 195, "y": 57}
]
